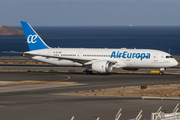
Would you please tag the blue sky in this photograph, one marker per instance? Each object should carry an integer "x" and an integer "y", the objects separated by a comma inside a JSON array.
[{"x": 90, "y": 12}]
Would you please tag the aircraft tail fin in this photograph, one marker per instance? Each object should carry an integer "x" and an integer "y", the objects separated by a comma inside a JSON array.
[{"x": 33, "y": 39}]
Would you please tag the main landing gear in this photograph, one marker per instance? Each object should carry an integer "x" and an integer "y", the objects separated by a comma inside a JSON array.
[
  {"x": 87, "y": 71},
  {"x": 161, "y": 71}
]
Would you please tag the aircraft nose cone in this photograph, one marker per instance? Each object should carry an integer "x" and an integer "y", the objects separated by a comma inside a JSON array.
[{"x": 175, "y": 62}]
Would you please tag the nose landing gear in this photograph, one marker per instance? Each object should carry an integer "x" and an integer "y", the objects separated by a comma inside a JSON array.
[{"x": 161, "y": 71}]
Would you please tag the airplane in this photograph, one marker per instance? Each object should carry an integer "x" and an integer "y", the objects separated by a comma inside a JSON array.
[{"x": 98, "y": 60}]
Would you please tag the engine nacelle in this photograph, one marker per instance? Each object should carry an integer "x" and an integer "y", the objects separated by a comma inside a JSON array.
[{"x": 102, "y": 66}]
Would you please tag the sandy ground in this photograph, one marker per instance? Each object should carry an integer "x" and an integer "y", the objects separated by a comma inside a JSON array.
[{"x": 166, "y": 90}]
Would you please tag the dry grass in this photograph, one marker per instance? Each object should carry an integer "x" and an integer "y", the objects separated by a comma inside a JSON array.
[{"x": 172, "y": 90}]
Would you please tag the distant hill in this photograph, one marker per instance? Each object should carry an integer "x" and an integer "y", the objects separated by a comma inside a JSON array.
[{"x": 9, "y": 31}]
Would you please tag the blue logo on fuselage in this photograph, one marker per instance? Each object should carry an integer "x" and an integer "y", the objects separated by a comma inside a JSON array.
[{"x": 125, "y": 54}]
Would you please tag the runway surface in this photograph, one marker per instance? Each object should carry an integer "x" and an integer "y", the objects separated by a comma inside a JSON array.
[
  {"x": 89, "y": 82},
  {"x": 43, "y": 67},
  {"x": 32, "y": 97}
]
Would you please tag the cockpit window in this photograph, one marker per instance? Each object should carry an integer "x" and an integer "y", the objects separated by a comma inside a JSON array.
[{"x": 169, "y": 56}]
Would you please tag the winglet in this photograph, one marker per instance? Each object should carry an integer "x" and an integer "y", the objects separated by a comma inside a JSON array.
[{"x": 33, "y": 39}]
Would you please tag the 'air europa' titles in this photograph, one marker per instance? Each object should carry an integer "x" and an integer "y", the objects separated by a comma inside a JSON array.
[{"x": 125, "y": 54}]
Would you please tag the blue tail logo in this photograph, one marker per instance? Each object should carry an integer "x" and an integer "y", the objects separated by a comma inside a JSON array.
[{"x": 33, "y": 39}]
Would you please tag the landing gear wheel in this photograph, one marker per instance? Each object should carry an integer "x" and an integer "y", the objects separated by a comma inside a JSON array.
[
  {"x": 84, "y": 72},
  {"x": 161, "y": 73},
  {"x": 87, "y": 72}
]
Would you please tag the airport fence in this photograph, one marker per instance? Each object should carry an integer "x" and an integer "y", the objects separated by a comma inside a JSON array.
[
  {"x": 159, "y": 115},
  {"x": 168, "y": 117}
]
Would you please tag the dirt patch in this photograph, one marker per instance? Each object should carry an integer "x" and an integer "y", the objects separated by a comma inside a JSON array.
[{"x": 166, "y": 90}]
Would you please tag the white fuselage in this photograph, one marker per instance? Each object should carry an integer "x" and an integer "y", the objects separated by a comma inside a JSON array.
[
  {"x": 123, "y": 58},
  {"x": 99, "y": 60}
]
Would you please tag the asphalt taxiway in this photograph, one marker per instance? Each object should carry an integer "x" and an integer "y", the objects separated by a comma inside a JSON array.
[
  {"x": 33, "y": 96},
  {"x": 82, "y": 82}
]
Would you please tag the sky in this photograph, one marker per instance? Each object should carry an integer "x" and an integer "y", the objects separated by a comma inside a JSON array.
[{"x": 90, "y": 12}]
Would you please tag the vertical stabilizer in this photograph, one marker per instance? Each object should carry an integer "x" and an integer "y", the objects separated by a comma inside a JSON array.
[{"x": 33, "y": 39}]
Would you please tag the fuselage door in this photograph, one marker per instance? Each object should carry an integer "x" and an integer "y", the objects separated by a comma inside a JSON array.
[
  {"x": 155, "y": 57},
  {"x": 79, "y": 54},
  {"x": 130, "y": 62}
]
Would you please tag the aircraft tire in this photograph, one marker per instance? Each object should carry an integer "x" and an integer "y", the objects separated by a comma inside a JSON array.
[
  {"x": 87, "y": 72},
  {"x": 161, "y": 73}
]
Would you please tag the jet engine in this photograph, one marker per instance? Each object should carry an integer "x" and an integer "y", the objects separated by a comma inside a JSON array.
[{"x": 102, "y": 66}]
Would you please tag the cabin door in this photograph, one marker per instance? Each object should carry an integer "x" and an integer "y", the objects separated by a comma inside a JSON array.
[{"x": 79, "y": 54}]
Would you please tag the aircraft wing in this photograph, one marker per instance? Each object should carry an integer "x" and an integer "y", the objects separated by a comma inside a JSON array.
[{"x": 83, "y": 61}]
